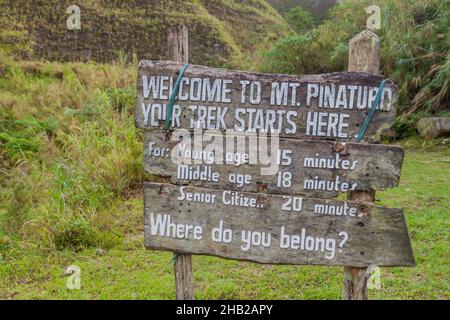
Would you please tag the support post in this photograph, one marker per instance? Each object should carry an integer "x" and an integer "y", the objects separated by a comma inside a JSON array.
[
  {"x": 177, "y": 50},
  {"x": 364, "y": 56}
]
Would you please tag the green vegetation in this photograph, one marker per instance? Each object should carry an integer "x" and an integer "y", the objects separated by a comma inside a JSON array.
[
  {"x": 300, "y": 20},
  {"x": 128, "y": 271},
  {"x": 415, "y": 42},
  {"x": 68, "y": 150},
  {"x": 318, "y": 8}
]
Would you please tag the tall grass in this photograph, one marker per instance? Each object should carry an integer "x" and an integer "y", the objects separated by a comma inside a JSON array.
[{"x": 68, "y": 152}]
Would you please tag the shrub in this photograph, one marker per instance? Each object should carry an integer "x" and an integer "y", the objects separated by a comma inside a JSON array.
[
  {"x": 71, "y": 150},
  {"x": 299, "y": 19}
]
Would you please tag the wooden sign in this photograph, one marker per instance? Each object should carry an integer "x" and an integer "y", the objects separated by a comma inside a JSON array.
[
  {"x": 224, "y": 202},
  {"x": 274, "y": 229},
  {"x": 321, "y": 169},
  {"x": 253, "y": 160},
  {"x": 329, "y": 106}
]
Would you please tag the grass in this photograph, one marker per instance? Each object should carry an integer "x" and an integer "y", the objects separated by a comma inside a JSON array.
[
  {"x": 70, "y": 194},
  {"x": 128, "y": 271}
]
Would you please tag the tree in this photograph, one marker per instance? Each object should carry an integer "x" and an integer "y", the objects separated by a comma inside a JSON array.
[
  {"x": 299, "y": 19},
  {"x": 415, "y": 42},
  {"x": 288, "y": 56}
]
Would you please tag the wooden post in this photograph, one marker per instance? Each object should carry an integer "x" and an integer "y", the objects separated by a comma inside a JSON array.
[
  {"x": 177, "y": 50},
  {"x": 364, "y": 56},
  {"x": 178, "y": 44}
]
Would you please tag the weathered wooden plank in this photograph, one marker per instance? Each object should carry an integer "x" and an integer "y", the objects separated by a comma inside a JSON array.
[
  {"x": 362, "y": 235},
  {"x": 305, "y": 167},
  {"x": 329, "y": 106}
]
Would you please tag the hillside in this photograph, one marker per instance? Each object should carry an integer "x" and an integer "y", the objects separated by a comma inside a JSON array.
[{"x": 221, "y": 32}]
